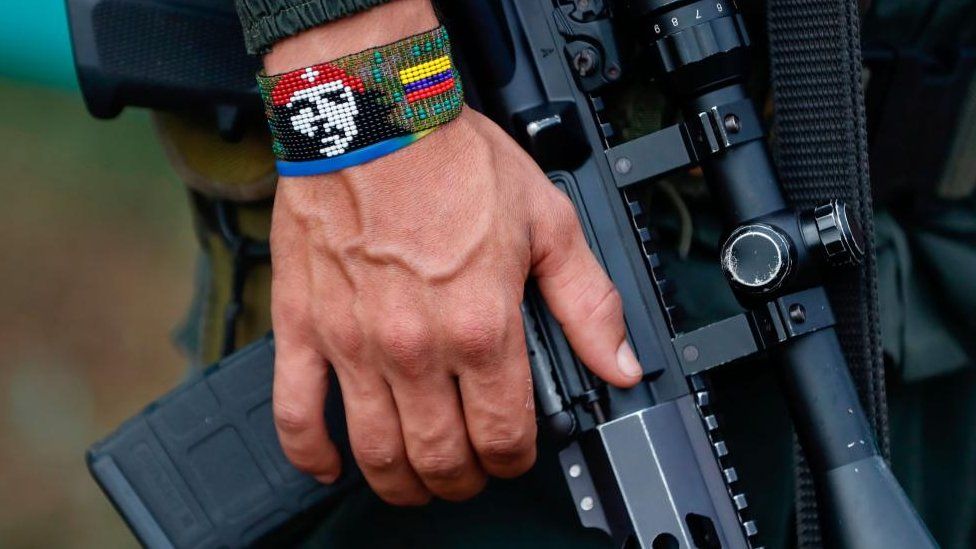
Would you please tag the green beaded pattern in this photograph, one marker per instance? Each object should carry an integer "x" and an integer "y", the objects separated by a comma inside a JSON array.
[{"x": 393, "y": 90}]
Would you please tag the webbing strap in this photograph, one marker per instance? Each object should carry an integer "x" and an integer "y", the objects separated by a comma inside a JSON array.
[{"x": 820, "y": 144}]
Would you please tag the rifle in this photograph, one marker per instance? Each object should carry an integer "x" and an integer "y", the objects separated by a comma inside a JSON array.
[{"x": 202, "y": 466}]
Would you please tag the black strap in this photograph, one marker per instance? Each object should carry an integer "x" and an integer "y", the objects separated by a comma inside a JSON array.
[{"x": 821, "y": 152}]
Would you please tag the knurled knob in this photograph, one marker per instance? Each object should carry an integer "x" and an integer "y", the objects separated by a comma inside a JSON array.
[
  {"x": 841, "y": 237},
  {"x": 699, "y": 42}
]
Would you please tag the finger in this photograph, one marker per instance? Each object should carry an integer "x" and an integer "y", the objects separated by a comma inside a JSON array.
[
  {"x": 300, "y": 386},
  {"x": 579, "y": 293},
  {"x": 496, "y": 392},
  {"x": 376, "y": 439},
  {"x": 434, "y": 434}
]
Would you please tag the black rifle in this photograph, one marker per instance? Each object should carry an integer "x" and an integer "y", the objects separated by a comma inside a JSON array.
[{"x": 202, "y": 466}]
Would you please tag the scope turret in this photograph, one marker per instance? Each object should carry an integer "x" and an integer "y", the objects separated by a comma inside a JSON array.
[{"x": 696, "y": 45}]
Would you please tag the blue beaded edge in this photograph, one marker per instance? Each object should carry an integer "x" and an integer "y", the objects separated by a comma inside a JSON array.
[{"x": 352, "y": 158}]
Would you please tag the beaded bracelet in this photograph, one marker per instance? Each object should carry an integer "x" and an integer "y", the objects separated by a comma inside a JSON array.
[{"x": 350, "y": 111}]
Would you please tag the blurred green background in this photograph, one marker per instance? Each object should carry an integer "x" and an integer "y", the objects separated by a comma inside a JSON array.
[{"x": 97, "y": 254}]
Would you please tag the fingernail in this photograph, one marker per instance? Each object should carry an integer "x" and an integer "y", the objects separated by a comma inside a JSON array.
[
  {"x": 327, "y": 478},
  {"x": 627, "y": 361}
]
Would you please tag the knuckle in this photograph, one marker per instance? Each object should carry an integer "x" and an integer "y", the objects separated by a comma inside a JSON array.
[
  {"x": 377, "y": 457},
  {"x": 291, "y": 420},
  {"x": 439, "y": 466},
  {"x": 480, "y": 333},
  {"x": 348, "y": 339},
  {"x": 287, "y": 310},
  {"x": 407, "y": 342},
  {"x": 505, "y": 446},
  {"x": 602, "y": 303}
]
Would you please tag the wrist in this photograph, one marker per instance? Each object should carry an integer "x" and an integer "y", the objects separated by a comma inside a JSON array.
[{"x": 381, "y": 25}]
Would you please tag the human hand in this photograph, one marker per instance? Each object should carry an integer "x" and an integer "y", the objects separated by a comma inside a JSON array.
[{"x": 405, "y": 275}]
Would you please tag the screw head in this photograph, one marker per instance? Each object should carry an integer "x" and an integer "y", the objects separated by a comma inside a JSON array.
[
  {"x": 690, "y": 353},
  {"x": 797, "y": 313},
  {"x": 732, "y": 123},
  {"x": 585, "y": 62}
]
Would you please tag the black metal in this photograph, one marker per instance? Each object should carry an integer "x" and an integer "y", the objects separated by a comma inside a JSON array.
[
  {"x": 614, "y": 467},
  {"x": 652, "y": 155},
  {"x": 586, "y": 25},
  {"x": 758, "y": 330},
  {"x": 831, "y": 231},
  {"x": 202, "y": 467},
  {"x": 717, "y": 344},
  {"x": 833, "y": 428},
  {"x": 757, "y": 258}
]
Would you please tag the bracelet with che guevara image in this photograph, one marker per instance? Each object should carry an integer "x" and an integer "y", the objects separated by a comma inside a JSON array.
[{"x": 347, "y": 112}]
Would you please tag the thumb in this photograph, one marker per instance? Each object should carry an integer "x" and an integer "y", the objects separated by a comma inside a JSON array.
[{"x": 579, "y": 293}]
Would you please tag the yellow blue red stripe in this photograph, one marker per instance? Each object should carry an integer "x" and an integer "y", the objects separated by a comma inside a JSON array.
[
  {"x": 429, "y": 81},
  {"x": 425, "y": 70}
]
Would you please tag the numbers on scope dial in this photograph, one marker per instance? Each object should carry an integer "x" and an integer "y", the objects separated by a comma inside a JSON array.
[{"x": 719, "y": 7}]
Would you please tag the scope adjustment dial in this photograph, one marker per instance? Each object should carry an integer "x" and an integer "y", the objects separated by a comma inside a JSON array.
[
  {"x": 757, "y": 258},
  {"x": 680, "y": 45},
  {"x": 840, "y": 237}
]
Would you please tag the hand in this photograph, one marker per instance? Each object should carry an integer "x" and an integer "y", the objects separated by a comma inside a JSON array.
[{"x": 405, "y": 275}]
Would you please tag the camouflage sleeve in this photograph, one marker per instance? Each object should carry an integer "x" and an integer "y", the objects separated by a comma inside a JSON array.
[{"x": 267, "y": 21}]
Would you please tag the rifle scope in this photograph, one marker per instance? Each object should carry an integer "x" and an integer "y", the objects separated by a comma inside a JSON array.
[{"x": 699, "y": 51}]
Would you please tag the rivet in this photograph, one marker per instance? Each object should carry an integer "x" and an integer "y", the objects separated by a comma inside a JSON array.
[
  {"x": 586, "y": 503},
  {"x": 623, "y": 165}
]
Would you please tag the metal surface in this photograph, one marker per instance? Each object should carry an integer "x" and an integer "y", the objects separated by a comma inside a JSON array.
[{"x": 662, "y": 452}]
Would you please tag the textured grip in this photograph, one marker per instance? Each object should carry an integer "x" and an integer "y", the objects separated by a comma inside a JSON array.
[
  {"x": 697, "y": 43},
  {"x": 202, "y": 466},
  {"x": 162, "y": 54}
]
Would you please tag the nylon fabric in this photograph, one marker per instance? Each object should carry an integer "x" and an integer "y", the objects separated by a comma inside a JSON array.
[
  {"x": 821, "y": 151},
  {"x": 267, "y": 21}
]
